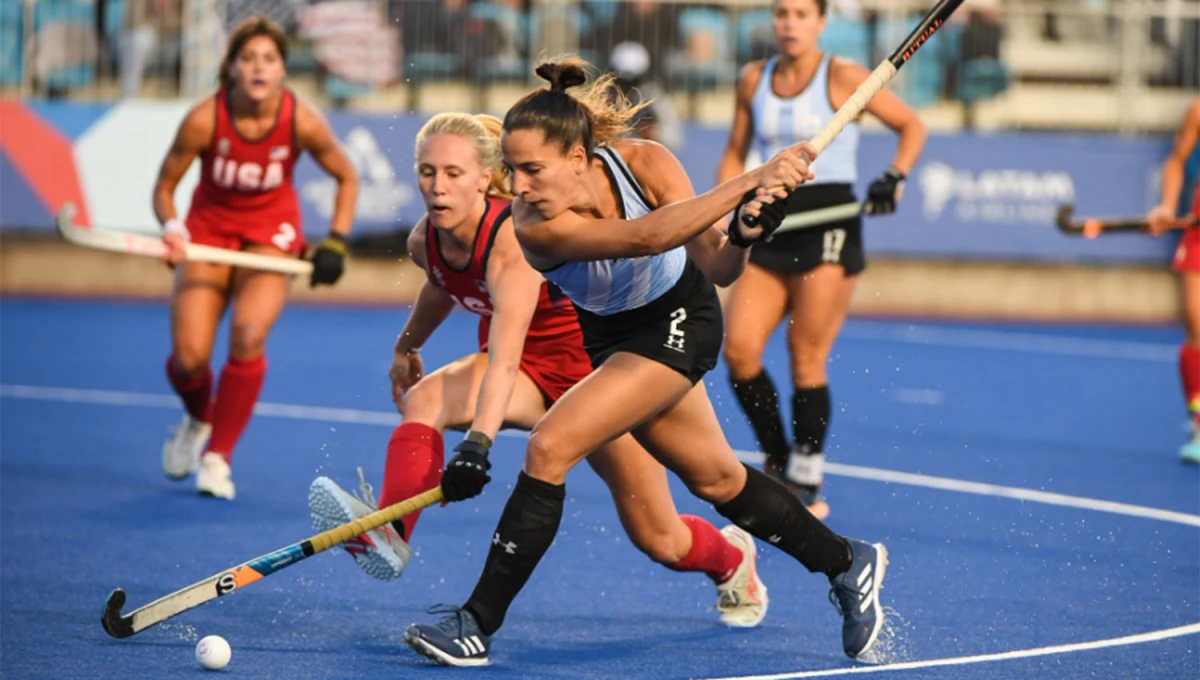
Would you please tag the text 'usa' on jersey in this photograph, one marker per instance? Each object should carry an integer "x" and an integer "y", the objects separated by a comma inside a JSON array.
[
  {"x": 468, "y": 287},
  {"x": 238, "y": 173}
]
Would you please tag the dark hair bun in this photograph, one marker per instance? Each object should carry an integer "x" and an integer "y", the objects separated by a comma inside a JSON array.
[{"x": 562, "y": 74}]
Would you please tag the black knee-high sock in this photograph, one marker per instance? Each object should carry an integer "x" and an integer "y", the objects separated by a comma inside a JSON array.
[
  {"x": 811, "y": 411},
  {"x": 760, "y": 402},
  {"x": 770, "y": 512},
  {"x": 526, "y": 529}
]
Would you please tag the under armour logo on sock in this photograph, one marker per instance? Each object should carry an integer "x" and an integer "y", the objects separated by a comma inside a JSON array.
[
  {"x": 509, "y": 547},
  {"x": 775, "y": 539}
]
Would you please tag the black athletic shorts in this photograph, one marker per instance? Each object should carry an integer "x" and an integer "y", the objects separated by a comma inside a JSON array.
[
  {"x": 802, "y": 250},
  {"x": 681, "y": 329}
]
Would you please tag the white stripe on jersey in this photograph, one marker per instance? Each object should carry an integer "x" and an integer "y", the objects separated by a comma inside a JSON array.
[
  {"x": 779, "y": 123},
  {"x": 609, "y": 286}
]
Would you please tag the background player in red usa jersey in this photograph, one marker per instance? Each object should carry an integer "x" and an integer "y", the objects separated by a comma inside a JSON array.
[
  {"x": 531, "y": 353},
  {"x": 1187, "y": 263},
  {"x": 248, "y": 135}
]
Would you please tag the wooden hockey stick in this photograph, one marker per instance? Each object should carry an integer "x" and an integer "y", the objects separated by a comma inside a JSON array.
[
  {"x": 1091, "y": 227},
  {"x": 123, "y": 626},
  {"x": 878, "y": 78},
  {"x": 140, "y": 244}
]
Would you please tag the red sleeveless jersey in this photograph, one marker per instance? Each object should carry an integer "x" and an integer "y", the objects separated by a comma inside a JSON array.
[
  {"x": 554, "y": 320},
  {"x": 246, "y": 185}
]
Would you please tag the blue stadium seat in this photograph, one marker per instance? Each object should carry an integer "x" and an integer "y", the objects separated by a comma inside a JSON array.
[
  {"x": 341, "y": 90},
  {"x": 924, "y": 77},
  {"x": 602, "y": 11},
  {"x": 79, "y": 12},
  {"x": 511, "y": 66},
  {"x": 11, "y": 41},
  {"x": 982, "y": 78},
  {"x": 755, "y": 38},
  {"x": 847, "y": 38},
  {"x": 692, "y": 76},
  {"x": 573, "y": 17}
]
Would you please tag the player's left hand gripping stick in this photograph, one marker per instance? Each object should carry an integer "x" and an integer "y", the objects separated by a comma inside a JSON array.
[{"x": 467, "y": 473}]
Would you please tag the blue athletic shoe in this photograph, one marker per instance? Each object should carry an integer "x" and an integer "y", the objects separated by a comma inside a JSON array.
[
  {"x": 1190, "y": 452},
  {"x": 454, "y": 641},
  {"x": 855, "y": 594}
]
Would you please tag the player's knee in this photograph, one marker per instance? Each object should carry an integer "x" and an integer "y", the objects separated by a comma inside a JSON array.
[
  {"x": 190, "y": 359},
  {"x": 247, "y": 340},
  {"x": 548, "y": 456},
  {"x": 808, "y": 361},
  {"x": 1191, "y": 328},
  {"x": 423, "y": 404},
  {"x": 720, "y": 483},
  {"x": 743, "y": 358}
]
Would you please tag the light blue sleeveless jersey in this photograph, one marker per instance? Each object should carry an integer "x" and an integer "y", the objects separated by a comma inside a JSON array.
[
  {"x": 779, "y": 123},
  {"x": 606, "y": 287}
]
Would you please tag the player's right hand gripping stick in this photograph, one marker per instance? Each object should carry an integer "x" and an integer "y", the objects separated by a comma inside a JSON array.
[{"x": 467, "y": 472}]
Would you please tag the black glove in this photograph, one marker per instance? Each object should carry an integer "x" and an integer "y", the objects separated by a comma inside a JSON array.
[
  {"x": 884, "y": 193},
  {"x": 770, "y": 216},
  {"x": 329, "y": 261},
  {"x": 466, "y": 473}
]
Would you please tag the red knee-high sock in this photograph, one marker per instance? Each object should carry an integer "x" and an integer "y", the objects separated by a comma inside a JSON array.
[
  {"x": 1189, "y": 372},
  {"x": 237, "y": 391},
  {"x": 195, "y": 392},
  {"x": 415, "y": 457},
  {"x": 711, "y": 552}
]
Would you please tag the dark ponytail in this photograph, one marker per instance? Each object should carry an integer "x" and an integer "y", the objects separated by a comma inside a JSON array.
[{"x": 595, "y": 113}]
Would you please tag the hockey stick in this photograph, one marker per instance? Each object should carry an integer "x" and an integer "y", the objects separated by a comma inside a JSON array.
[
  {"x": 123, "y": 626},
  {"x": 815, "y": 218},
  {"x": 139, "y": 244},
  {"x": 1091, "y": 227},
  {"x": 879, "y": 77}
]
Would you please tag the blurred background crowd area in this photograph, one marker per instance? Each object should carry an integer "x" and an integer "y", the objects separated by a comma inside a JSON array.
[{"x": 1121, "y": 65}]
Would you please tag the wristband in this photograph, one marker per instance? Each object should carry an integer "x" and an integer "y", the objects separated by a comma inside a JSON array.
[{"x": 477, "y": 437}]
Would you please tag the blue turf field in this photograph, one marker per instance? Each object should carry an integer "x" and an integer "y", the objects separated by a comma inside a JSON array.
[{"x": 1092, "y": 414}]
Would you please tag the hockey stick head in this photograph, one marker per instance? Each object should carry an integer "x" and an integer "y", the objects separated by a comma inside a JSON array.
[
  {"x": 114, "y": 624},
  {"x": 1064, "y": 216},
  {"x": 65, "y": 218}
]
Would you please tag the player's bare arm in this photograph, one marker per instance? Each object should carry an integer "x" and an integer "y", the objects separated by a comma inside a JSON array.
[
  {"x": 193, "y": 137},
  {"x": 845, "y": 77},
  {"x": 571, "y": 236},
  {"x": 1186, "y": 136},
  {"x": 663, "y": 177},
  {"x": 514, "y": 287},
  {"x": 314, "y": 135},
  {"x": 733, "y": 160},
  {"x": 433, "y": 304}
]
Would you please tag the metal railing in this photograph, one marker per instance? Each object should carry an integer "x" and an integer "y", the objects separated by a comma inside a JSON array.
[{"x": 385, "y": 54}]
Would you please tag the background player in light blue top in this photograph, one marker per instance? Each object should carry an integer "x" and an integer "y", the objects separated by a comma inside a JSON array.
[{"x": 809, "y": 273}]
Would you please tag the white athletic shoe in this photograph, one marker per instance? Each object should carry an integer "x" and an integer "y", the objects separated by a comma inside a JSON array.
[
  {"x": 380, "y": 552},
  {"x": 181, "y": 453},
  {"x": 213, "y": 477},
  {"x": 742, "y": 600}
]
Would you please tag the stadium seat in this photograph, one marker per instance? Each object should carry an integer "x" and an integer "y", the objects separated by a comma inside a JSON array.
[
  {"x": 557, "y": 29},
  {"x": 66, "y": 26},
  {"x": 704, "y": 28},
  {"x": 755, "y": 38},
  {"x": 846, "y": 38},
  {"x": 512, "y": 28},
  {"x": 982, "y": 78},
  {"x": 11, "y": 41}
]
